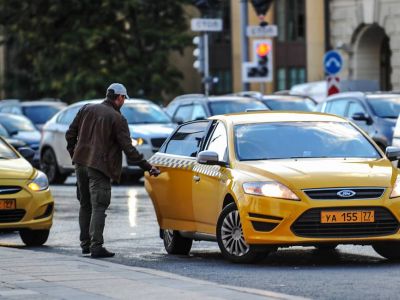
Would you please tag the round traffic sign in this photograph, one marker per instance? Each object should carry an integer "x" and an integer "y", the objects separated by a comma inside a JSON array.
[{"x": 333, "y": 62}]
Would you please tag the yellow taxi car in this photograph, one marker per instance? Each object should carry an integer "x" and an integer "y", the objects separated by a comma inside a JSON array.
[
  {"x": 257, "y": 181},
  {"x": 26, "y": 204}
]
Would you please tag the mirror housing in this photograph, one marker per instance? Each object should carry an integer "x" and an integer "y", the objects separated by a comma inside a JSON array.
[
  {"x": 27, "y": 153},
  {"x": 392, "y": 153},
  {"x": 362, "y": 117},
  {"x": 209, "y": 158},
  {"x": 178, "y": 121}
]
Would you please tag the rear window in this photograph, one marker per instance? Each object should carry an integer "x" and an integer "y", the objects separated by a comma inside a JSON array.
[
  {"x": 234, "y": 106},
  {"x": 144, "y": 114},
  {"x": 295, "y": 105},
  {"x": 40, "y": 114}
]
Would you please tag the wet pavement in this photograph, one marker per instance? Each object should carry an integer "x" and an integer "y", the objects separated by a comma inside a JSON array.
[{"x": 351, "y": 272}]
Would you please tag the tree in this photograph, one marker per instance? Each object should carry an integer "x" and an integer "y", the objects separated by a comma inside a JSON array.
[{"x": 73, "y": 49}]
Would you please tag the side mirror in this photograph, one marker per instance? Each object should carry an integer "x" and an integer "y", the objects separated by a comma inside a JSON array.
[
  {"x": 178, "y": 121},
  {"x": 209, "y": 158},
  {"x": 362, "y": 117},
  {"x": 392, "y": 153},
  {"x": 13, "y": 132},
  {"x": 27, "y": 153}
]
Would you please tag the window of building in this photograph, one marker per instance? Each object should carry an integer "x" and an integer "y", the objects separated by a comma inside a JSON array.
[
  {"x": 290, "y": 16},
  {"x": 288, "y": 77}
]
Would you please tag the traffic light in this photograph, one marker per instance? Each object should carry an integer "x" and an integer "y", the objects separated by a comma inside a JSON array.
[
  {"x": 198, "y": 53},
  {"x": 260, "y": 70},
  {"x": 261, "y": 7}
]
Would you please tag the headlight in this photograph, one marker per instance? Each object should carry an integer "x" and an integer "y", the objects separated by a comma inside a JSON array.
[
  {"x": 39, "y": 183},
  {"x": 269, "y": 189},
  {"x": 137, "y": 142},
  {"x": 396, "y": 189}
]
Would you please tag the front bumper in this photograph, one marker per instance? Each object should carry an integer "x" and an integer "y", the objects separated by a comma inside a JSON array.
[
  {"x": 270, "y": 221},
  {"x": 34, "y": 210}
]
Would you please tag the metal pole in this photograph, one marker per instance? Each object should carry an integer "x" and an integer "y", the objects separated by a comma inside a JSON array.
[
  {"x": 206, "y": 66},
  {"x": 245, "y": 43}
]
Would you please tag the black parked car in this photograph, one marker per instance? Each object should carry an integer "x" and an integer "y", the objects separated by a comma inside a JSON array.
[{"x": 376, "y": 112}]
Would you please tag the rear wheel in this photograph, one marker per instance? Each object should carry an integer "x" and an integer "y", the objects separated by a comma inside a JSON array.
[
  {"x": 230, "y": 238},
  {"x": 34, "y": 237},
  {"x": 49, "y": 166},
  {"x": 174, "y": 243},
  {"x": 389, "y": 250}
]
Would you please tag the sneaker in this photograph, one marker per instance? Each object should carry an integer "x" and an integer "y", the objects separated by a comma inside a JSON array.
[
  {"x": 101, "y": 252},
  {"x": 86, "y": 250}
]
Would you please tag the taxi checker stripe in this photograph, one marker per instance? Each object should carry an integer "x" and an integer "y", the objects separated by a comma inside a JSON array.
[{"x": 172, "y": 162}]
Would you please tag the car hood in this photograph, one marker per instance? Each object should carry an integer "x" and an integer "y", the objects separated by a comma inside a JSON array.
[
  {"x": 15, "y": 169},
  {"x": 151, "y": 130},
  {"x": 323, "y": 173},
  {"x": 29, "y": 137}
]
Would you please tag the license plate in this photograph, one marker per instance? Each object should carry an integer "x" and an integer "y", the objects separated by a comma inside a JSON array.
[
  {"x": 7, "y": 204},
  {"x": 356, "y": 216}
]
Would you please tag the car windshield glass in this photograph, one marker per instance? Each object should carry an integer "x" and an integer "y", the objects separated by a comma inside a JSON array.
[
  {"x": 6, "y": 152},
  {"x": 301, "y": 140},
  {"x": 233, "y": 106},
  {"x": 385, "y": 107},
  {"x": 297, "y": 105},
  {"x": 144, "y": 113},
  {"x": 3, "y": 132},
  {"x": 40, "y": 114},
  {"x": 16, "y": 123}
]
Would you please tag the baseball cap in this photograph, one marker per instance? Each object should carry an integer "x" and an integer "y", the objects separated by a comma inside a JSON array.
[{"x": 118, "y": 89}]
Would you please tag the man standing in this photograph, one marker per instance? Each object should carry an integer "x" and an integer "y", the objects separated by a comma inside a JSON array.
[{"x": 95, "y": 140}]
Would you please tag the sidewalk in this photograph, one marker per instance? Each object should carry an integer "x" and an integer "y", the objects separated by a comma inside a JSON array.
[{"x": 41, "y": 275}]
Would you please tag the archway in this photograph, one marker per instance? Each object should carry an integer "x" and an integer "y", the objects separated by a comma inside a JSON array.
[{"x": 372, "y": 56}]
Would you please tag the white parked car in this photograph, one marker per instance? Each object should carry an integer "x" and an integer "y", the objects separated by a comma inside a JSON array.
[{"x": 148, "y": 123}]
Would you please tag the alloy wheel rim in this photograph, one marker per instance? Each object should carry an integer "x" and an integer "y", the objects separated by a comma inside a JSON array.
[
  {"x": 168, "y": 235},
  {"x": 232, "y": 235}
]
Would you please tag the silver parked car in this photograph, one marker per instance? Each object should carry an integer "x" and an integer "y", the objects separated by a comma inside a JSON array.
[{"x": 149, "y": 126}]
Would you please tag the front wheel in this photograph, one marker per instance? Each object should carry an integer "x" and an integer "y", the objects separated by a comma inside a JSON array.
[
  {"x": 34, "y": 237},
  {"x": 389, "y": 250},
  {"x": 48, "y": 164},
  {"x": 230, "y": 237},
  {"x": 174, "y": 243}
]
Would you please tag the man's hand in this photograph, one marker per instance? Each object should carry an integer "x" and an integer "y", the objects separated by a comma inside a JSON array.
[{"x": 154, "y": 171}]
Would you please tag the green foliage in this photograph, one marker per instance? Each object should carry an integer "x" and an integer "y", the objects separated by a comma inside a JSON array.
[{"x": 73, "y": 49}]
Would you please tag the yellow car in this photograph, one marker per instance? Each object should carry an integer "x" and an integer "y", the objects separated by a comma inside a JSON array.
[
  {"x": 26, "y": 204},
  {"x": 257, "y": 181}
]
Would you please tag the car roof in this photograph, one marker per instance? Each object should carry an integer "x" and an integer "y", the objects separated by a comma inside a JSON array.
[
  {"x": 361, "y": 95},
  {"x": 127, "y": 102},
  {"x": 40, "y": 103},
  {"x": 286, "y": 97},
  {"x": 277, "y": 116},
  {"x": 201, "y": 97}
]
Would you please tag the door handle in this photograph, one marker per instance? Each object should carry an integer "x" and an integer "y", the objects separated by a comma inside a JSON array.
[{"x": 196, "y": 178}]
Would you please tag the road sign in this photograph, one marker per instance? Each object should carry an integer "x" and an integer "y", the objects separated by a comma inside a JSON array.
[
  {"x": 261, "y": 68},
  {"x": 198, "y": 24},
  {"x": 333, "y": 62},
  {"x": 333, "y": 85},
  {"x": 262, "y": 31}
]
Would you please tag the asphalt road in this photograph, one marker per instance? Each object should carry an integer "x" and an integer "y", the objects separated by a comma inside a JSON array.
[{"x": 351, "y": 272}]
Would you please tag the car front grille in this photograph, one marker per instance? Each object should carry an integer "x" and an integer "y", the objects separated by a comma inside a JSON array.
[
  {"x": 332, "y": 194},
  {"x": 8, "y": 190},
  {"x": 157, "y": 143},
  {"x": 10, "y": 216},
  {"x": 309, "y": 224}
]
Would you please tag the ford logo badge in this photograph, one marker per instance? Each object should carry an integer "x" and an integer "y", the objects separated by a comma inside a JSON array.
[{"x": 346, "y": 193}]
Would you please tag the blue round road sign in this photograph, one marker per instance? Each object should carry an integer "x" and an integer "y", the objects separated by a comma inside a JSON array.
[{"x": 333, "y": 62}]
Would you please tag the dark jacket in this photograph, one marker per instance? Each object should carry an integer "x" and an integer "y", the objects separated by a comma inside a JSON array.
[{"x": 98, "y": 135}]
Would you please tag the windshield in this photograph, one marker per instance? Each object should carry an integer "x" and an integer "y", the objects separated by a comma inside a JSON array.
[
  {"x": 16, "y": 123},
  {"x": 283, "y": 104},
  {"x": 385, "y": 107},
  {"x": 40, "y": 114},
  {"x": 144, "y": 113},
  {"x": 301, "y": 140},
  {"x": 6, "y": 152},
  {"x": 233, "y": 106}
]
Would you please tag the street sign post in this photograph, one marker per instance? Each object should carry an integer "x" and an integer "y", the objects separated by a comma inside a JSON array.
[
  {"x": 333, "y": 62},
  {"x": 262, "y": 31},
  {"x": 207, "y": 25}
]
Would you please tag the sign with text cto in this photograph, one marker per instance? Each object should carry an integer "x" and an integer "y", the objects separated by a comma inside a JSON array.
[
  {"x": 261, "y": 68},
  {"x": 206, "y": 25}
]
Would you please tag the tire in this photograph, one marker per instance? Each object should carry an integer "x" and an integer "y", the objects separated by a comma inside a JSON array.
[
  {"x": 174, "y": 243},
  {"x": 389, "y": 250},
  {"x": 231, "y": 240},
  {"x": 48, "y": 164},
  {"x": 34, "y": 237},
  {"x": 326, "y": 247}
]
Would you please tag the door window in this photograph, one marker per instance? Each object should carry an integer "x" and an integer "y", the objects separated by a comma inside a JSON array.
[
  {"x": 198, "y": 112},
  {"x": 355, "y": 107},
  {"x": 337, "y": 107},
  {"x": 68, "y": 116},
  {"x": 187, "y": 139},
  {"x": 184, "y": 113},
  {"x": 219, "y": 142}
]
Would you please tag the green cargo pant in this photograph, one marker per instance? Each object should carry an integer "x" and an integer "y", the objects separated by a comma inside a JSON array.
[{"x": 94, "y": 195}]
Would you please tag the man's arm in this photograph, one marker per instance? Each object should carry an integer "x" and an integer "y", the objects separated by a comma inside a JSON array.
[
  {"x": 72, "y": 133},
  {"x": 124, "y": 140}
]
